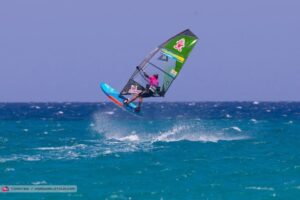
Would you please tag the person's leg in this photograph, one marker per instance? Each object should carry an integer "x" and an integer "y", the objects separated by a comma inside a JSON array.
[
  {"x": 140, "y": 101},
  {"x": 138, "y": 108},
  {"x": 133, "y": 98}
]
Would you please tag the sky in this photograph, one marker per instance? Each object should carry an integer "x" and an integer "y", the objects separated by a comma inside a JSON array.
[{"x": 60, "y": 50}]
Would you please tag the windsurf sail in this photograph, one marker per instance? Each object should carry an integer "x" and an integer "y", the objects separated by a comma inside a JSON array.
[{"x": 166, "y": 60}]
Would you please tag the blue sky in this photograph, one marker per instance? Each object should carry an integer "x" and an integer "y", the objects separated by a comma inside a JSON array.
[{"x": 61, "y": 50}]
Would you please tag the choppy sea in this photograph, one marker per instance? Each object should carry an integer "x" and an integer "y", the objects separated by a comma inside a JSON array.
[{"x": 192, "y": 150}]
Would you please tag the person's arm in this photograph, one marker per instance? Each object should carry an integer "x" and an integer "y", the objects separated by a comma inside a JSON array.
[
  {"x": 140, "y": 69},
  {"x": 147, "y": 76}
]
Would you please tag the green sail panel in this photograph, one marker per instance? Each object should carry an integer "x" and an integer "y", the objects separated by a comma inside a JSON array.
[{"x": 166, "y": 60}]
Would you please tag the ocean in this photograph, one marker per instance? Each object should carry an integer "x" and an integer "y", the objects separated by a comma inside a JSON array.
[{"x": 188, "y": 150}]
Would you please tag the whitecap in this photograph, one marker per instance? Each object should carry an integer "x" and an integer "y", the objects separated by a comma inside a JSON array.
[
  {"x": 179, "y": 133},
  {"x": 15, "y": 157},
  {"x": 259, "y": 188},
  {"x": 253, "y": 120},
  {"x": 78, "y": 146},
  {"x": 110, "y": 112},
  {"x": 57, "y": 130},
  {"x": 108, "y": 151},
  {"x": 236, "y": 128},
  {"x": 228, "y": 116},
  {"x": 39, "y": 183},
  {"x": 8, "y": 169},
  {"x": 131, "y": 138},
  {"x": 60, "y": 113},
  {"x": 12, "y": 158},
  {"x": 215, "y": 138},
  {"x": 92, "y": 124},
  {"x": 31, "y": 158},
  {"x": 165, "y": 135}
]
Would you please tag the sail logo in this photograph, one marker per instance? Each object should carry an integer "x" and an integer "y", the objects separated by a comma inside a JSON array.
[
  {"x": 134, "y": 90},
  {"x": 179, "y": 45},
  {"x": 173, "y": 72}
]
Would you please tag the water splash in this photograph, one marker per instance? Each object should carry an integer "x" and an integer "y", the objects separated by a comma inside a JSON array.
[{"x": 157, "y": 131}]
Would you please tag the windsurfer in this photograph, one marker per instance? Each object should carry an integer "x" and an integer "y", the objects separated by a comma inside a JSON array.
[{"x": 150, "y": 90}]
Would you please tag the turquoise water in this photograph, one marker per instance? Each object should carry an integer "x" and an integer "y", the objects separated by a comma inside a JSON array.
[{"x": 237, "y": 150}]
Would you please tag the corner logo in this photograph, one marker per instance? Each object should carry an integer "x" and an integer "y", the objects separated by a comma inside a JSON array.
[
  {"x": 5, "y": 189},
  {"x": 179, "y": 44}
]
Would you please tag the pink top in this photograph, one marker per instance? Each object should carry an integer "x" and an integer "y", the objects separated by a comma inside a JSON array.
[{"x": 153, "y": 81}]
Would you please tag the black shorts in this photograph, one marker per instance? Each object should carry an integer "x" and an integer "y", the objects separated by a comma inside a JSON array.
[{"x": 146, "y": 93}]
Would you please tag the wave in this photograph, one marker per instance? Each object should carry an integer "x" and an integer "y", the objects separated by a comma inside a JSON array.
[
  {"x": 190, "y": 132},
  {"x": 81, "y": 146},
  {"x": 142, "y": 131},
  {"x": 20, "y": 157},
  {"x": 131, "y": 138},
  {"x": 110, "y": 135}
]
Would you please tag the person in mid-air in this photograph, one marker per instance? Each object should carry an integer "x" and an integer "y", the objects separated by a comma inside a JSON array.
[{"x": 150, "y": 90}]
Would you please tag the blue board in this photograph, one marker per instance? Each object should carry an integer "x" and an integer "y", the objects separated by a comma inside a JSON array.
[{"x": 118, "y": 99}]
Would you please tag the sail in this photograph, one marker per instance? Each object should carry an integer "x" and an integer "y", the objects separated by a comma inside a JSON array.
[{"x": 166, "y": 60}]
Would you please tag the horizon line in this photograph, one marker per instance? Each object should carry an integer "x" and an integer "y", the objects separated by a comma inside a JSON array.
[{"x": 224, "y": 101}]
